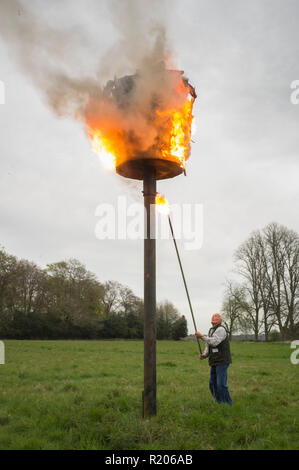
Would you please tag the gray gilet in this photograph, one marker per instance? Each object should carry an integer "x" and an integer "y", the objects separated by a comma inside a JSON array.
[{"x": 220, "y": 354}]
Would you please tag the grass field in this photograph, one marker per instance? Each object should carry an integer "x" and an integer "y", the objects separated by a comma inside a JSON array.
[{"x": 87, "y": 395}]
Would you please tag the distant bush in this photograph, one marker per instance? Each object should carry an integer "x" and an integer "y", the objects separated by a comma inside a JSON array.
[{"x": 275, "y": 336}]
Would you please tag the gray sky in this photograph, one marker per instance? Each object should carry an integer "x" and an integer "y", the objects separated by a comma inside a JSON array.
[{"x": 242, "y": 58}]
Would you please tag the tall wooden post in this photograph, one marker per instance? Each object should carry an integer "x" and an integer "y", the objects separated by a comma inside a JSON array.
[{"x": 149, "y": 392}]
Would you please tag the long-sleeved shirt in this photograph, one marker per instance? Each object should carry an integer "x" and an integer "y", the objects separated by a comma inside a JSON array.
[{"x": 217, "y": 338}]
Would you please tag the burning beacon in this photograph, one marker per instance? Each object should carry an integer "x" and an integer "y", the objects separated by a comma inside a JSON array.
[
  {"x": 136, "y": 132},
  {"x": 140, "y": 126}
]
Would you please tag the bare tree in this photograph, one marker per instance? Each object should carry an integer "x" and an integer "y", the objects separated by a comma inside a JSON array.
[
  {"x": 265, "y": 283},
  {"x": 250, "y": 267},
  {"x": 232, "y": 307},
  {"x": 281, "y": 263},
  {"x": 128, "y": 301},
  {"x": 268, "y": 262},
  {"x": 111, "y": 299},
  {"x": 167, "y": 315}
]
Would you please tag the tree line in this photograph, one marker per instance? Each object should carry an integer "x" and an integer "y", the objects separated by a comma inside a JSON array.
[
  {"x": 266, "y": 299},
  {"x": 66, "y": 301}
]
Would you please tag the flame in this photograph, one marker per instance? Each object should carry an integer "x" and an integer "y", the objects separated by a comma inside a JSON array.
[
  {"x": 162, "y": 204},
  {"x": 121, "y": 132},
  {"x": 98, "y": 146},
  {"x": 180, "y": 132}
]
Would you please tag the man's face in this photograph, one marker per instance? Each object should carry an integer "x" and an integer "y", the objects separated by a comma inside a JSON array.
[{"x": 214, "y": 323}]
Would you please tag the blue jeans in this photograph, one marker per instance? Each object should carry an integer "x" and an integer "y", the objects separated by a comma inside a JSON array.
[{"x": 218, "y": 384}]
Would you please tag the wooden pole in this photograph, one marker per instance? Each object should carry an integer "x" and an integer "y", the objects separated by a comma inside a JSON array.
[{"x": 149, "y": 392}]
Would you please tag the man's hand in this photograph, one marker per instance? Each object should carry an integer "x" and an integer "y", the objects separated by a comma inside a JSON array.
[
  {"x": 198, "y": 335},
  {"x": 202, "y": 356}
]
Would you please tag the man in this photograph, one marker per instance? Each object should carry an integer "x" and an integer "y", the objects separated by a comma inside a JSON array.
[{"x": 218, "y": 351}]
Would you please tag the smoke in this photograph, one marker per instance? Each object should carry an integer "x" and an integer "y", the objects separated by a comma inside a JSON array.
[
  {"x": 123, "y": 111},
  {"x": 51, "y": 57},
  {"x": 39, "y": 49},
  {"x": 142, "y": 37}
]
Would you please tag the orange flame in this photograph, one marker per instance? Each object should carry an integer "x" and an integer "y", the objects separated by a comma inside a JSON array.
[
  {"x": 112, "y": 130},
  {"x": 162, "y": 204},
  {"x": 180, "y": 133},
  {"x": 98, "y": 146}
]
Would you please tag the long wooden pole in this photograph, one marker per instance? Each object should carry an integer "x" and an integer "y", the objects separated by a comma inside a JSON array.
[{"x": 149, "y": 392}]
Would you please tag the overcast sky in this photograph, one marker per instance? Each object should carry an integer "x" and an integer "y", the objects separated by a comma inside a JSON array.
[{"x": 242, "y": 57}]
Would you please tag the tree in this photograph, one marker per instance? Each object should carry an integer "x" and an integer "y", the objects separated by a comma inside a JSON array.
[
  {"x": 281, "y": 263},
  {"x": 111, "y": 299},
  {"x": 8, "y": 265},
  {"x": 65, "y": 300},
  {"x": 167, "y": 314},
  {"x": 233, "y": 307},
  {"x": 250, "y": 267},
  {"x": 268, "y": 263},
  {"x": 180, "y": 328},
  {"x": 115, "y": 327},
  {"x": 21, "y": 285},
  {"x": 134, "y": 325},
  {"x": 29, "y": 285},
  {"x": 73, "y": 291},
  {"x": 127, "y": 300}
]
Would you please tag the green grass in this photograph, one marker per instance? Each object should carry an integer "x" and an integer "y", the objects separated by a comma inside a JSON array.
[{"x": 87, "y": 395}]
